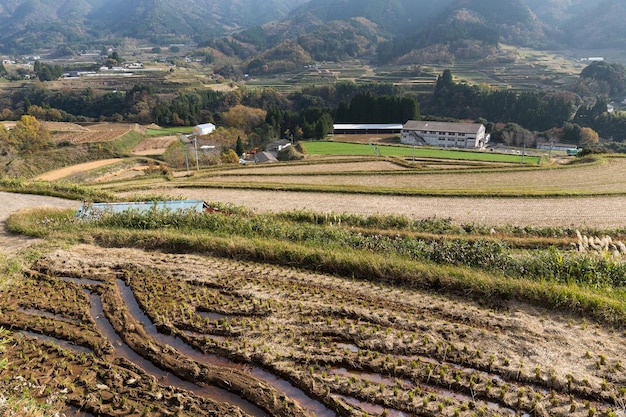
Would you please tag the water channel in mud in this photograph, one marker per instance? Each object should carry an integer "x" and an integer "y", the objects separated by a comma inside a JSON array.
[
  {"x": 122, "y": 350},
  {"x": 297, "y": 395},
  {"x": 63, "y": 344}
]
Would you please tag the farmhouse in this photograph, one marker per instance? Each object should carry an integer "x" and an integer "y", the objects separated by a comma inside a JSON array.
[
  {"x": 204, "y": 129},
  {"x": 366, "y": 128},
  {"x": 278, "y": 145},
  {"x": 444, "y": 134}
]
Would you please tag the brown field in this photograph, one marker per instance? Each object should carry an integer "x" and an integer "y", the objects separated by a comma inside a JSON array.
[
  {"x": 292, "y": 343},
  {"x": 582, "y": 195},
  {"x": 579, "y": 212},
  {"x": 353, "y": 166},
  {"x": 607, "y": 178},
  {"x": 154, "y": 146},
  {"x": 90, "y": 133},
  {"x": 75, "y": 169}
]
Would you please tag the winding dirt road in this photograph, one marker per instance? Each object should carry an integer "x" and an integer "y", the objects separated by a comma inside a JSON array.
[{"x": 9, "y": 203}]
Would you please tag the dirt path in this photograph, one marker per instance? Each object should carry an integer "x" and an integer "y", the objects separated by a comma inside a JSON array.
[
  {"x": 589, "y": 212},
  {"x": 154, "y": 146},
  {"x": 9, "y": 203},
  {"x": 75, "y": 169}
]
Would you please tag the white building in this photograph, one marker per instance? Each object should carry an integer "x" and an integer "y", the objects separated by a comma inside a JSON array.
[
  {"x": 444, "y": 134},
  {"x": 204, "y": 129},
  {"x": 366, "y": 128}
]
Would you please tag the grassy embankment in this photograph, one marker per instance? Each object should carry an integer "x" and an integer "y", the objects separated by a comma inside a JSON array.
[{"x": 31, "y": 165}]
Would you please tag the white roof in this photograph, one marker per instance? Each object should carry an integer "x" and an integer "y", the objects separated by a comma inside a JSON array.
[{"x": 367, "y": 126}]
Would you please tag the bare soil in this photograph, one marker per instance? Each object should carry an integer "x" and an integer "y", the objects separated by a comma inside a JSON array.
[
  {"x": 58, "y": 174},
  {"x": 154, "y": 146},
  {"x": 358, "y": 348},
  {"x": 10, "y": 202}
]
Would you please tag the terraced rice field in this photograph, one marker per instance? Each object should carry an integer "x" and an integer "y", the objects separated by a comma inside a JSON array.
[
  {"x": 101, "y": 132},
  {"x": 209, "y": 336},
  {"x": 112, "y": 332},
  {"x": 439, "y": 178},
  {"x": 584, "y": 179}
]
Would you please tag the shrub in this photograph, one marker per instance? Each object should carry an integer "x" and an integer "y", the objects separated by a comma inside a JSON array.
[{"x": 290, "y": 153}]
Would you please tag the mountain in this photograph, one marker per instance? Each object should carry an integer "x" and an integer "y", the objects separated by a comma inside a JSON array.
[
  {"x": 600, "y": 27},
  {"x": 559, "y": 12},
  {"x": 27, "y": 25},
  {"x": 394, "y": 16},
  {"x": 584, "y": 24},
  {"x": 467, "y": 29},
  {"x": 402, "y": 31}
]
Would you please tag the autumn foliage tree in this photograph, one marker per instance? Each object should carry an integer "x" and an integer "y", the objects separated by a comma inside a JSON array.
[
  {"x": 245, "y": 118},
  {"x": 588, "y": 136},
  {"x": 4, "y": 139},
  {"x": 29, "y": 136},
  {"x": 229, "y": 157}
]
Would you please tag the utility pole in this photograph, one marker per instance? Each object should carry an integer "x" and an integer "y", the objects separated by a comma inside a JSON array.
[
  {"x": 195, "y": 146},
  {"x": 180, "y": 137}
]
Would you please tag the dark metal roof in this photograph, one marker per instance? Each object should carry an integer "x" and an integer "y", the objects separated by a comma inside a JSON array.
[{"x": 442, "y": 126}]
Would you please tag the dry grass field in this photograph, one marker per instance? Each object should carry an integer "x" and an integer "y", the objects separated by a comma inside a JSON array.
[
  {"x": 90, "y": 133},
  {"x": 578, "y": 195},
  {"x": 589, "y": 179},
  {"x": 584, "y": 212}
]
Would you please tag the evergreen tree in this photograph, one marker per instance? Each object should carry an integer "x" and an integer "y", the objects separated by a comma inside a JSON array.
[{"x": 239, "y": 149}]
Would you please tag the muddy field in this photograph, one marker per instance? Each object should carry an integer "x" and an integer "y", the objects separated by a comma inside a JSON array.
[{"x": 134, "y": 333}]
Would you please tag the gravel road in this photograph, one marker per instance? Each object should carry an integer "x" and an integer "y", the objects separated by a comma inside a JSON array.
[{"x": 9, "y": 203}]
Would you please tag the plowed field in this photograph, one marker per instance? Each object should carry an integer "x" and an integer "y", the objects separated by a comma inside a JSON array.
[{"x": 282, "y": 342}]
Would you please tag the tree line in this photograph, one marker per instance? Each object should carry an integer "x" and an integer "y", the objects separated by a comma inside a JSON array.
[{"x": 310, "y": 112}]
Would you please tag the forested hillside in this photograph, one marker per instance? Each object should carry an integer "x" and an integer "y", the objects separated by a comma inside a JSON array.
[
  {"x": 408, "y": 31},
  {"x": 399, "y": 31},
  {"x": 30, "y": 25}
]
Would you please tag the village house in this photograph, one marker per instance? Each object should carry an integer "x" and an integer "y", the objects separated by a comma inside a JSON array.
[
  {"x": 278, "y": 145},
  {"x": 444, "y": 134}
]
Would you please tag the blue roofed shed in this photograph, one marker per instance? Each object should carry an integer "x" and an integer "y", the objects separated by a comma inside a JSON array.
[{"x": 94, "y": 210}]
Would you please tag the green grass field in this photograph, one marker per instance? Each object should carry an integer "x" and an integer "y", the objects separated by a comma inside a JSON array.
[
  {"x": 169, "y": 131},
  {"x": 354, "y": 149}
]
